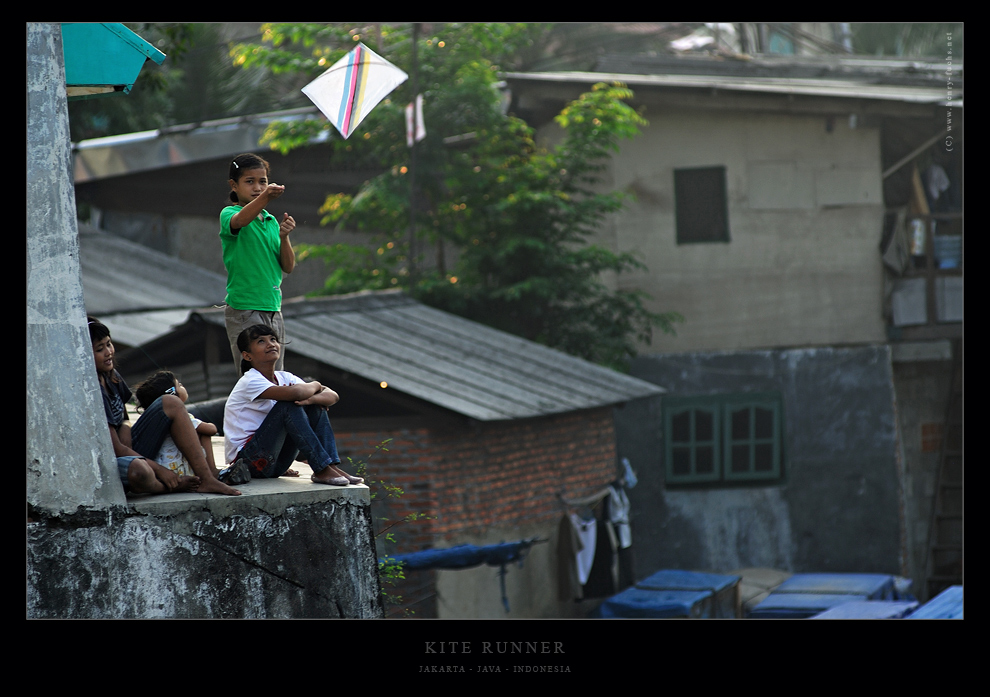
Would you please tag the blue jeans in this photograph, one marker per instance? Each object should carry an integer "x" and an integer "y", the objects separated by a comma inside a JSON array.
[
  {"x": 288, "y": 430},
  {"x": 150, "y": 430}
]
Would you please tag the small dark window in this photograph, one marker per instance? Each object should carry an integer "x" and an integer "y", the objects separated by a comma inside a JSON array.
[{"x": 701, "y": 205}]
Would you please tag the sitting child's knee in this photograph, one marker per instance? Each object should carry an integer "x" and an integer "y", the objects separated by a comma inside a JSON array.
[
  {"x": 172, "y": 404},
  {"x": 139, "y": 471}
]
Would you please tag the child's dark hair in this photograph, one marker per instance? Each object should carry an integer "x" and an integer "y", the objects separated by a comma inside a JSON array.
[
  {"x": 248, "y": 335},
  {"x": 98, "y": 332},
  {"x": 244, "y": 162},
  {"x": 154, "y": 387}
]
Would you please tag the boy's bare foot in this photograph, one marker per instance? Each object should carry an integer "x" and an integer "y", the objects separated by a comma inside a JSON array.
[
  {"x": 215, "y": 486},
  {"x": 290, "y": 473},
  {"x": 349, "y": 478},
  {"x": 328, "y": 475},
  {"x": 187, "y": 483}
]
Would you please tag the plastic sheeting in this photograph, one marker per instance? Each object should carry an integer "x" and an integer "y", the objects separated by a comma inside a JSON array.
[{"x": 465, "y": 556}]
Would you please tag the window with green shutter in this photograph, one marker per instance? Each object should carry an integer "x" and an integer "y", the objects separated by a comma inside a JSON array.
[{"x": 728, "y": 439}]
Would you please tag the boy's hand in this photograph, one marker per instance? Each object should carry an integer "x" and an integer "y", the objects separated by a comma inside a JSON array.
[
  {"x": 166, "y": 476},
  {"x": 287, "y": 225},
  {"x": 206, "y": 429}
]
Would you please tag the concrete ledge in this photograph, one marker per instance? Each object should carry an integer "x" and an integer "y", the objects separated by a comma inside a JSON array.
[
  {"x": 285, "y": 548},
  {"x": 270, "y": 496},
  {"x": 259, "y": 495}
]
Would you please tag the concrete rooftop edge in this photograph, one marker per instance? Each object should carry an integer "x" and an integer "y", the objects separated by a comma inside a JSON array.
[{"x": 272, "y": 496}]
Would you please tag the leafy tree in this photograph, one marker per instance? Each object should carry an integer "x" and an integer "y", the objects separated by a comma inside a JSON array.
[{"x": 514, "y": 218}]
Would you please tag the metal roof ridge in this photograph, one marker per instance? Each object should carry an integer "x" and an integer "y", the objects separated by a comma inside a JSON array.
[{"x": 138, "y": 136}]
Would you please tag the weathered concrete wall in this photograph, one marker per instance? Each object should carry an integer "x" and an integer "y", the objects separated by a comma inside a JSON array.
[
  {"x": 805, "y": 211},
  {"x": 263, "y": 559},
  {"x": 70, "y": 462},
  {"x": 839, "y": 505}
]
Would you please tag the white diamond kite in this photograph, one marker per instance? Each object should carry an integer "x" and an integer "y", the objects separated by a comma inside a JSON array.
[{"x": 352, "y": 86}]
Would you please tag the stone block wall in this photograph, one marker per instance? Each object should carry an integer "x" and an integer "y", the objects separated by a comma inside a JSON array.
[{"x": 312, "y": 560}]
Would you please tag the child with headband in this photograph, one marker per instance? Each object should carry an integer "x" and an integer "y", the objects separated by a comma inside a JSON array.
[{"x": 256, "y": 251}]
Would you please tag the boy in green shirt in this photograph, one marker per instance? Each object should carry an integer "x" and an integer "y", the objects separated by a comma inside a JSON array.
[{"x": 256, "y": 251}]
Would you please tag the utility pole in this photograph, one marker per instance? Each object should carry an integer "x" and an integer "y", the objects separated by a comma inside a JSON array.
[{"x": 412, "y": 162}]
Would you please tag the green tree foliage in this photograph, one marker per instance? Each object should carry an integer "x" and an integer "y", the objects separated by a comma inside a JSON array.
[{"x": 517, "y": 216}]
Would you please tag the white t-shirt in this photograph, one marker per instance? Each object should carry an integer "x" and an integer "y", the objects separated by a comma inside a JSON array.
[{"x": 244, "y": 413}]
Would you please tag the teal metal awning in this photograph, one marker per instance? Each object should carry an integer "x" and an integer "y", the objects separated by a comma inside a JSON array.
[{"x": 103, "y": 58}]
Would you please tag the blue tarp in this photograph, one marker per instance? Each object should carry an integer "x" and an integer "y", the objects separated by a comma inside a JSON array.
[
  {"x": 873, "y": 586},
  {"x": 799, "y": 605},
  {"x": 947, "y": 605},
  {"x": 675, "y": 579},
  {"x": 667, "y": 593},
  {"x": 465, "y": 556},
  {"x": 869, "y": 610},
  {"x": 808, "y": 595},
  {"x": 634, "y": 603}
]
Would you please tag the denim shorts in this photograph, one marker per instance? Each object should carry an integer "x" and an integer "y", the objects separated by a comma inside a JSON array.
[{"x": 123, "y": 466}]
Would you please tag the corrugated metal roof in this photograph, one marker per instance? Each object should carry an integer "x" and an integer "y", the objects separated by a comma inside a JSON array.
[
  {"x": 469, "y": 368},
  {"x": 148, "y": 150},
  {"x": 123, "y": 276},
  {"x": 140, "y": 293},
  {"x": 444, "y": 359},
  {"x": 767, "y": 85}
]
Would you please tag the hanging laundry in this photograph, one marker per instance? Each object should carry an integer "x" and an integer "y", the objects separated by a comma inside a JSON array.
[
  {"x": 618, "y": 513},
  {"x": 587, "y": 531},
  {"x": 576, "y": 553},
  {"x": 415, "y": 128},
  {"x": 603, "y": 577}
]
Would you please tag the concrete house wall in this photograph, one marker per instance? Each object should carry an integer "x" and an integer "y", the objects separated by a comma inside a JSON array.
[
  {"x": 804, "y": 206},
  {"x": 839, "y": 506}
]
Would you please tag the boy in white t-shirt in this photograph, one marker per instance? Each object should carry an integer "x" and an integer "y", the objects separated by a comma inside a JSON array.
[{"x": 271, "y": 416}]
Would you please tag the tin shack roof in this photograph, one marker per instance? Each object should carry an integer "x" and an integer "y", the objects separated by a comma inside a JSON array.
[
  {"x": 786, "y": 86},
  {"x": 139, "y": 293},
  {"x": 469, "y": 368}
]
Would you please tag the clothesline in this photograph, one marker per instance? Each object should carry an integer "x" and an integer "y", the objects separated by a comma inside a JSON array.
[
  {"x": 627, "y": 479},
  {"x": 589, "y": 500}
]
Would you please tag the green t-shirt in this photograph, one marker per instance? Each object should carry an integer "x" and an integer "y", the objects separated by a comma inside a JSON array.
[{"x": 254, "y": 276}]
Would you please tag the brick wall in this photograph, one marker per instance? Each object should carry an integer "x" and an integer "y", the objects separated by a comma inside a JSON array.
[
  {"x": 504, "y": 473},
  {"x": 469, "y": 479}
]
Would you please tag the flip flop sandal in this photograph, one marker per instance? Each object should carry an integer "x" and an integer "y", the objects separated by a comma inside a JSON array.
[{"x": 237, "y": 473}]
